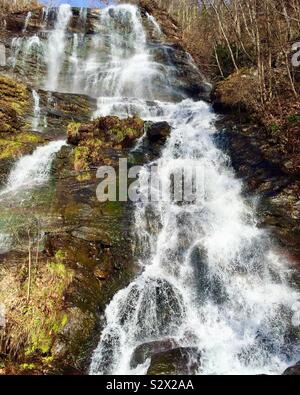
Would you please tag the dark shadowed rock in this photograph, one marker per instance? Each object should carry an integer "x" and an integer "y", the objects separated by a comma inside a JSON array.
[
  {"x": 147, "y": 350},
  {"x": 293, "y": 370},
  {"x": 158, "y": 131},
  {"x": 179, "y": 361}
]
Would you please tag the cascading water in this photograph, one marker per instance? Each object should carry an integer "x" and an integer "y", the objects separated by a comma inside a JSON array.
[
  {"x": 36, "y": 110},
  {"x": 29, "y": 172},
  {"x": 116, "y": 61},
  {"x": 154, "y": 23},
  {"x": 32, "y": 170},
  {"x": 56, "y": 46},
  {"x": 210, "y": 279},
  {"x": 27, "y": 21}
]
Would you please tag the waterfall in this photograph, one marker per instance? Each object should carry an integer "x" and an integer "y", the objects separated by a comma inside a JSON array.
[
  {"x": 156, "y": 26},
  {"x": 74, "y": 62},
  {"x": 32, "y": 170},
  {"x": 83, "y": 16},
  {"x": 27, "y": 21},
  {"x": 56, "y": 46},
  {"x": 210, "y": 278},
  {"x": 116, "y": 61},
  {"x": 36, "y": 110},
  {"x": 16, "y": 46}
]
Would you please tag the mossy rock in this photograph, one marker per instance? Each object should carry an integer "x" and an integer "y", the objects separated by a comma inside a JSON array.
[
  {"x": 237, "y": 92},
  {"x": 14, "y": 102},
  {"x": 93, "y": 140},
  {"x": 13, "y": 146},
  {"x": 179, "y": 361},
  {"x": 10, "y": 149}
]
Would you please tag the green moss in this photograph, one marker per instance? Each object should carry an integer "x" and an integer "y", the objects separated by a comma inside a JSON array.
[
  {"x": 44, "y": 317},
  {"x": 26, "y": 137},
  {"x": 10, "y": 149},
  {"x": 15, "y": 145},
  {"x": 117, "y": 135},
  {"x": 81, "y": 159},
  {"x": 295, "y": 118},
  {"x": 28, "y": 366},
  {"x": 275, "y": 129},
  {"x": 73, "y": 129},
  {"x": 14, "y": 103},
  {"x": 83, "y": 177},
  {"x": 114, "y": 209}
]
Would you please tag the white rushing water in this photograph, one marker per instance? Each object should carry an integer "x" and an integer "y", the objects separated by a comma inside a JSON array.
[
  {"x": 29, "y": 15},
  {"x": 156, "y": 26},
  {"x": 32, "y": 170},
  {"x": 36, "y": 110},
  {"x": 115, "y": 61},
  {"x": 210, "y": 278},
  {"x": 56, "y": 46}
]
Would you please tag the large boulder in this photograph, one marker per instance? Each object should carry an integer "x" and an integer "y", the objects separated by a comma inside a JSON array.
[
  {"x": 101, "y": 140},
  {"x": 179, "y": 361},
  {"x": 158, "y": 131},
  {"x": 147, "y": 350},
  {"x": 293, "y": 370}
]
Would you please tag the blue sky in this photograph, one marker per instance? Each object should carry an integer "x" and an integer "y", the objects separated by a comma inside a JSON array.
[{"x": 74, "y": 3}]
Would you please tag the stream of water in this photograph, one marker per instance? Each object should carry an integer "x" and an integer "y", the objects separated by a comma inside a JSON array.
[{"x": 210, "y": 279}]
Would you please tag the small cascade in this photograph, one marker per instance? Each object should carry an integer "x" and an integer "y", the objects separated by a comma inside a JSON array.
[
  {"x": 83, "y": 17},
  {"x": 153, "y": 21},
  {"x": 45, "y": 15},
  {"x": 56, "y": 46},
  {"x": 36, "y": 111},
  {"x": 16, "y": 46},
  {"x": 32, "y": 170},
  {"x": 28, "y": 17},
  {"x": 5, "y": 241},
  {"x": 74, "y": 62}
]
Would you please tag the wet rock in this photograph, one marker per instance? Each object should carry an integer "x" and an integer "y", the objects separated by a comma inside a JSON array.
[
  {"x": 14, "y": 101},
  {"x": 158, "y": 131},
  {"x": 15, "y": 22},
  {"x": 92, "y": 234},
  {"x": 58, "y": 110},
  {"x": 147, "y": 350},
  {"x": 293, "y": 370},
  {"x": 179, "y": 361},
  {"x": 103, "y": 140},
  {"x": 168, "y": 24},
  {"x": 262, "y": 170},
  {"x": 2, "y": 55}
]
